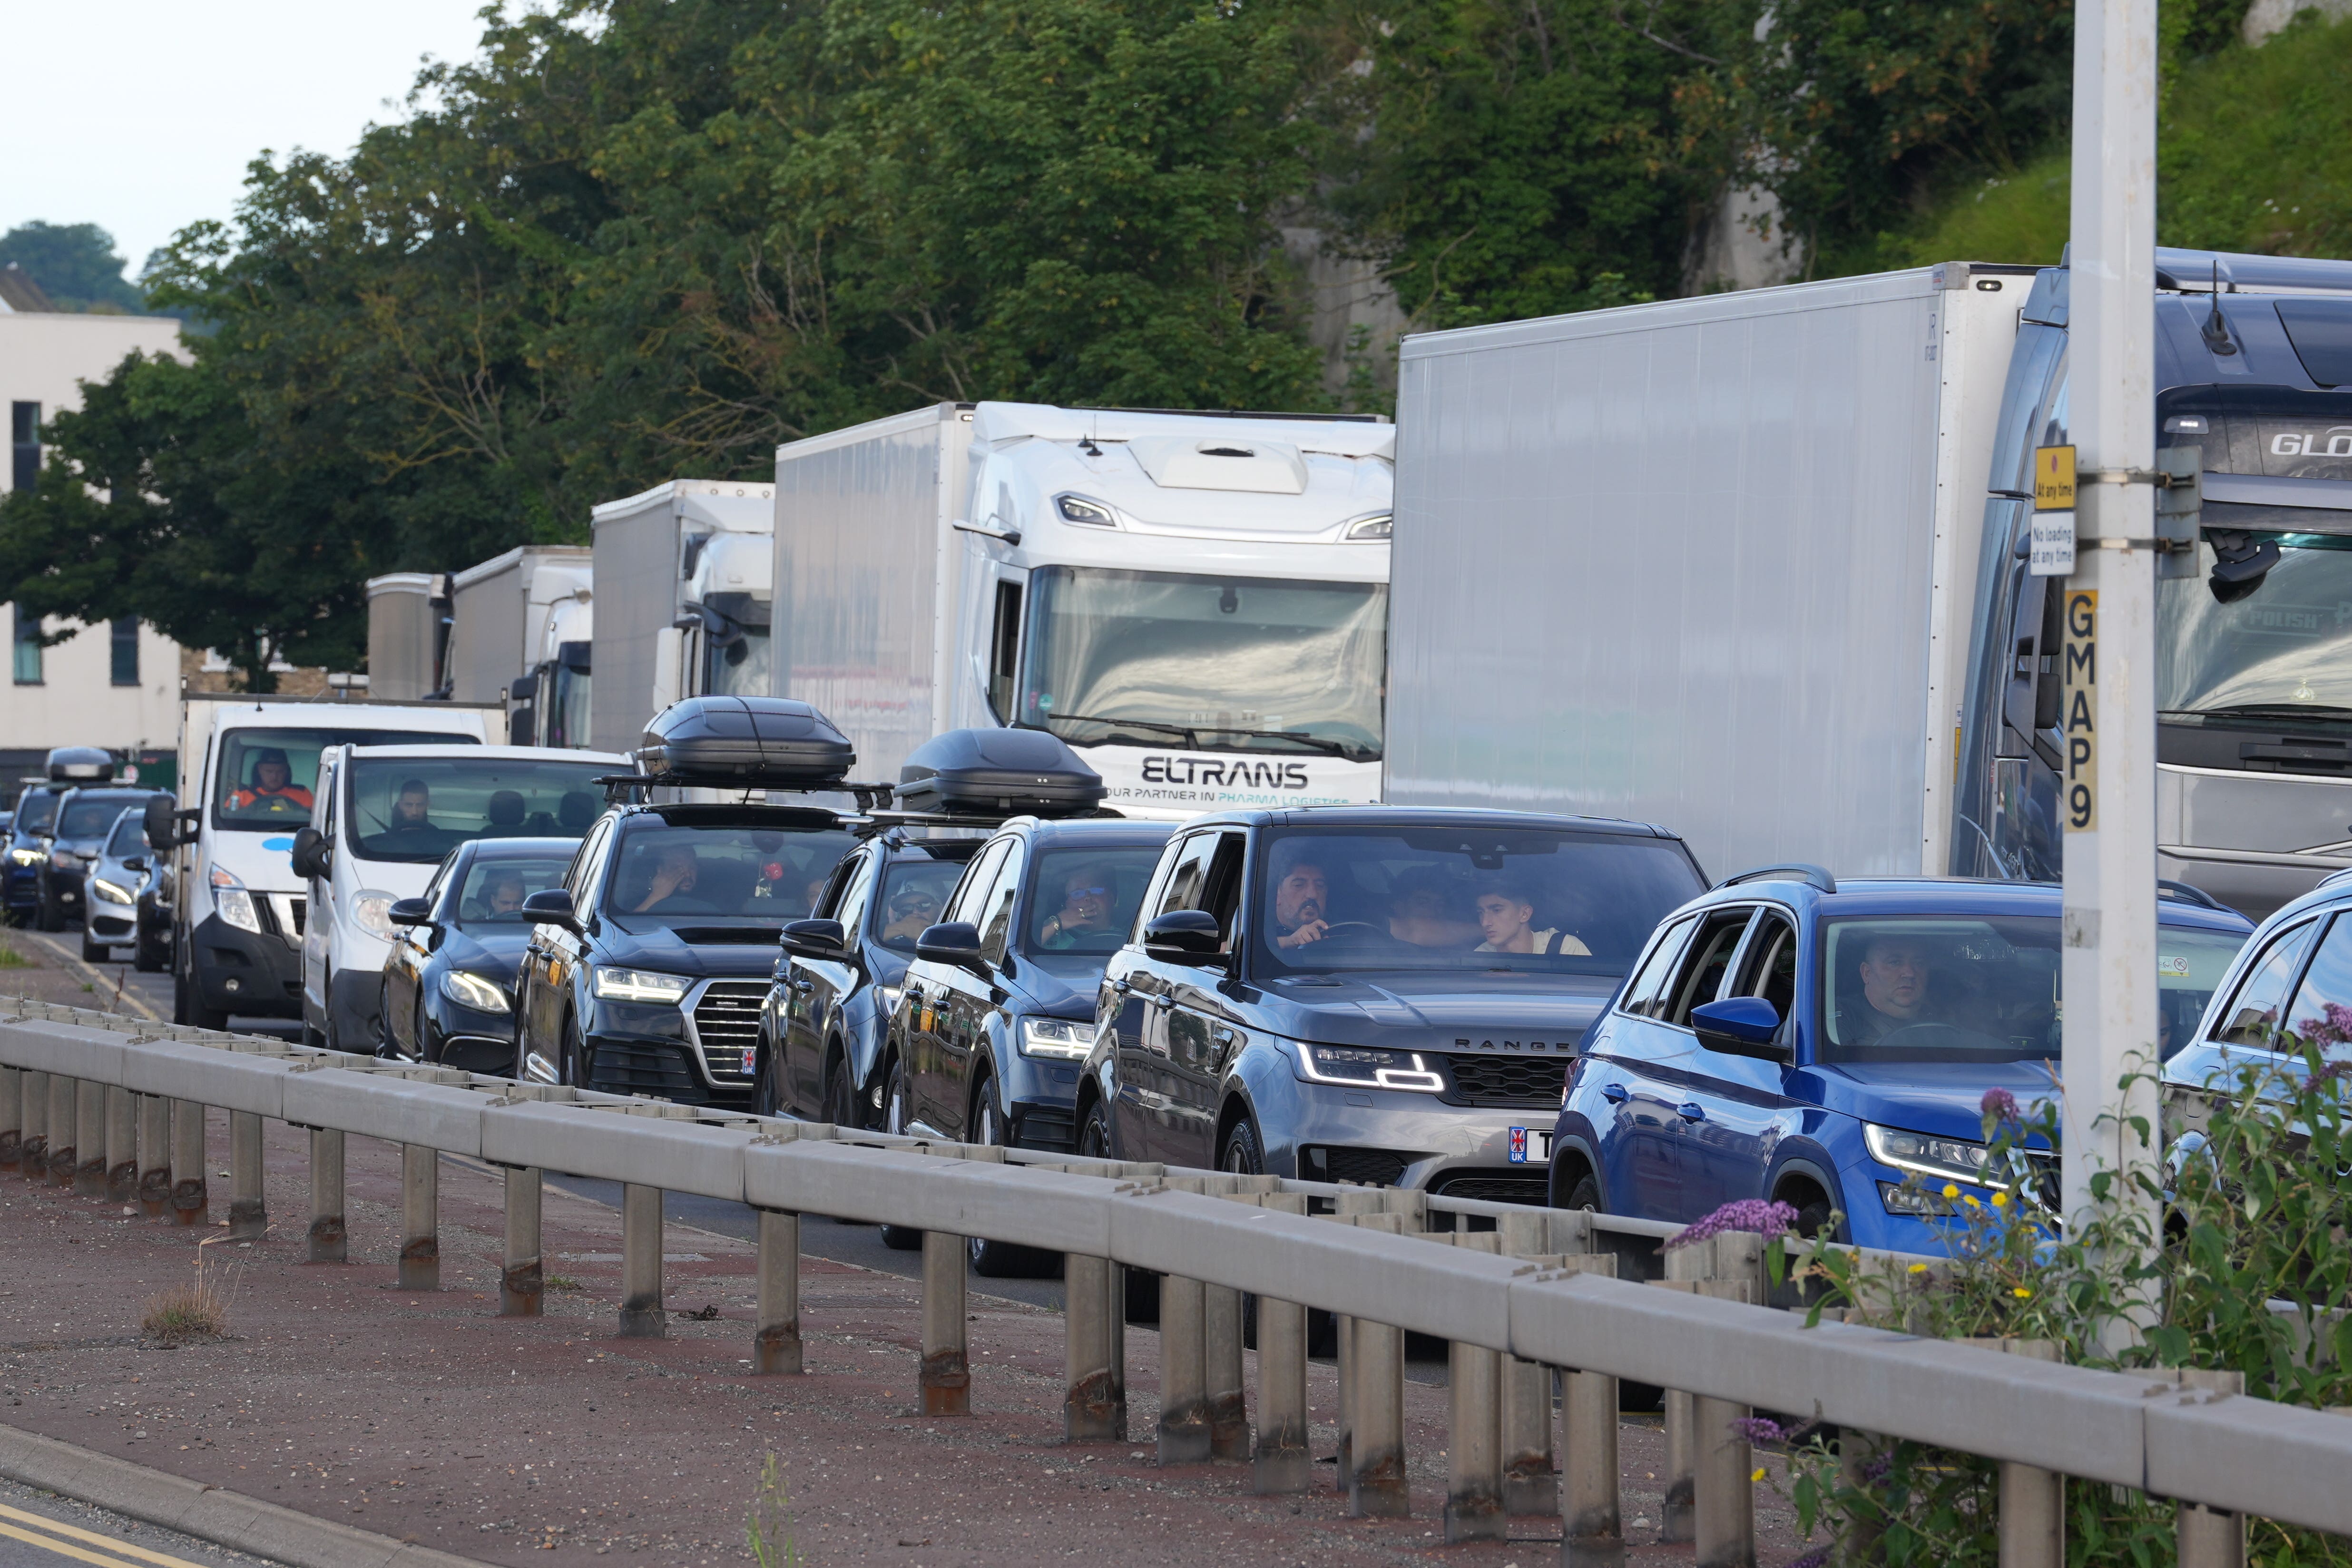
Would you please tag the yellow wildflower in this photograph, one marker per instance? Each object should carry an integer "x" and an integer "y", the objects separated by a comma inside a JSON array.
[
  {"x": 2000, "y": 1200},
  {"x": 2022, "y": 1294},
  {"x": 1918, "y": 1268},
  {"x": 1950, "y": 1191},
  {"x": 1759, "y": 1475}
]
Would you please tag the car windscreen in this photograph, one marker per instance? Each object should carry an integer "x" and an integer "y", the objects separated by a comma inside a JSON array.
[
  {"x": 914, "y": 891},
  {"x": 89, "y": 816},
  {"x": 496, "y": 887},
  {"x": 1083, "y": 901},
  {"x": 35, "y": 811},
  {"x": 1469, "y": 897},
  {"x": 420, "y": 808},
  {"x": 1982, "y": 989},
  {"x": 684, "y": 874},
  {"x": 129, "y": 838},
  {"x": 266, "y": 776}
]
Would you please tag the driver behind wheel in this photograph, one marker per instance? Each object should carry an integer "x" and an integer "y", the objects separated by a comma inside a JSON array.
[
  {"x": 1893, "y": 971},
  {"x": 1302, "y": 901}
]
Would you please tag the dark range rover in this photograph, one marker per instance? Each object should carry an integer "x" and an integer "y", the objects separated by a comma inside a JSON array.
[{"x": 1379, "y": 994}]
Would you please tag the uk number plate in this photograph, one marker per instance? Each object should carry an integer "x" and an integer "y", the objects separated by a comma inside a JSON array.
[
  {"x": 751, "y": 1056},
  {"x": 1530, "y": 1145}
]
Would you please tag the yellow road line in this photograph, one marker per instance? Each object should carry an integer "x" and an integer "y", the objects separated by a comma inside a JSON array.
[
  {"x": 65, "y": 1548},
  {"x": 103, "y": 986},
  {"x": 113, "y": 1542}
]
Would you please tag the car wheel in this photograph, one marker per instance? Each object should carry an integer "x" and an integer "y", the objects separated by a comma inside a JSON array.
[
  {"x": 767, "y": 1092},
  {"x": 571, "y": 1057},
  {"x": 314, "y": 1038},
  {"x": 1242, "y": 1156},
  {"x": 841, "y": 1101},
  {"x": 1094, "y": 1134},
  {"x": 897, "y": 1237},
  {"x": 1585, "y": 1195},
  {"x": 1004, "y": 1259},
  {"x": 52, "y": 913},
  {"x": 153, "y": 955},
  {"x": 1816, "y": 1218}
]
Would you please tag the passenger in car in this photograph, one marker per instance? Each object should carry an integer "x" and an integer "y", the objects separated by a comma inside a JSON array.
[
  {"x": 1086, "y": 909},
  {"x": 1506, "y": 913},
  {"x": 1423, "y": 911}
]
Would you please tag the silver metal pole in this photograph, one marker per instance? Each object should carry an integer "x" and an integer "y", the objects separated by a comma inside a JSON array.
[
  {"x": 64, "y": 1126},
  {"x": 12, "y": 1115},
  {"x": 776, "y": 1343},
  {"x": 1221, "y": 1361},
  {"x": 1474, "y": 1490},
  {"x": 190, "y": 1201},
  {"x": 1282, "y": 1462},
  {"x": 154, "y": 1155},
  {"x": 1184, "y": 1433},
  {"x": 33, "y": 1151},
  {"x": 2209, "y": 1538},
  {"x": 2032, "y": 1502},
  {"x": 947, "y": 1351},
  {"x": 121, "y": 1145},
  {"x": 89, "y": 1134},
  {"x": 642, "y": 1317},
  {"x": 1089, "y": 1414}
]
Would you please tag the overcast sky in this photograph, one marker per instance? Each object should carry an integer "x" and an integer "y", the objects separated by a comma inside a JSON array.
[{"x": 141, "y": 115}]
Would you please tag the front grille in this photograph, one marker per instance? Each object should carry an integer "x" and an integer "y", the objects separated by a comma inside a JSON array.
[
  {"x": 1050, "y": 1127},
  {"x": 629, "y": 1067},
  {"x": 1497, "y": 1186},
  {"x": 726, "y": 1023},
  {"x": 1369, "y": 1167},
  {"x": 1507, "y": 1082}
]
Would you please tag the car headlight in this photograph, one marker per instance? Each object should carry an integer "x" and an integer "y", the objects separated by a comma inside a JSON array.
[
  {"x": 28, "y": 857},
  {"x": 1057, "y": 1037},
  {"x": 1365, "y": 1067},
  {"x": 111, "y": 892},
  {"x": 637, "y": 986},
  {"x": 372, "y": 913},
  {"x": 64, "y": 860},
  {"x": 1949, "y": 1159},
  {"x": 234, "y": 904},
  {"x": 473, "y": 991}
]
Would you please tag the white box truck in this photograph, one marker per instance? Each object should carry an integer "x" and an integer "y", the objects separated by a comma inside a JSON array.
[
  {"x": 499, "y": 614},
  {"x": 1755, "y": 566},
  {"x": 682, "y": 602},
  {"x": 1197, "y": 602}
]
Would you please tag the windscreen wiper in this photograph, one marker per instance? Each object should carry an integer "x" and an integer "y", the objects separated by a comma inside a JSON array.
[
  {"x": 2289, "y": 711},
  {"x": 1192, "y": 738},
  {"x": 1320, "y": 743}
]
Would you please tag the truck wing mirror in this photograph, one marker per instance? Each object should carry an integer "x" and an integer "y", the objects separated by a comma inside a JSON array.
[
  {"x": 1742, "y": 1026},
  {"x": 162, "y": 822},
  {"x": 311, "y": 856}
]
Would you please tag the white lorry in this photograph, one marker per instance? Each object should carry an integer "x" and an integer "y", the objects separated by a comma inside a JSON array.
[
  {"x": 1197, "y": 602},
  {"x": 248, "y": 767},
  {"x": 682, "y": 602},
  {"x": 1755, "y": 566},
  {"x": 500, "y": 612}
]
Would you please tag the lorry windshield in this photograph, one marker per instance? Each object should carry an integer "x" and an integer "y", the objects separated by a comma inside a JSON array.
[
  {"x": 1464, "y": 898},
  {"x": 2283, "y": 652},
  {"x": 1984, "y": 989},
  {"x": 568, "y": 723},
  {"x": 675, "y": 874},
  {"x": 1247, "y": 664},
  {"x": 417, "y": 809},
  {"x": 266, "y": 776}
]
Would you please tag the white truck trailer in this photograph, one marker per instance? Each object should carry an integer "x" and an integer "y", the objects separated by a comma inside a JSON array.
[
  {"x": 1196, "y": 601},
  {"x": 500, "y": 612},
  {"x": 682, "y": 602}
]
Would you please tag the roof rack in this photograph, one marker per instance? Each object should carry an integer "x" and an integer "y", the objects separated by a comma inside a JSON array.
[
  {"x": 1791, "y": 871},
  {"x": 867, "y": 795},
  {"x": 2198, "y": 895}
]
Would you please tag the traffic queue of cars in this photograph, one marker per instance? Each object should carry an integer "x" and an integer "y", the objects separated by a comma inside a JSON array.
[{"x": 76, "y": 849}]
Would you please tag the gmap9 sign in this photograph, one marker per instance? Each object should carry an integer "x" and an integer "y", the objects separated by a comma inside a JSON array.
[{"x": 2079, "y": 786}]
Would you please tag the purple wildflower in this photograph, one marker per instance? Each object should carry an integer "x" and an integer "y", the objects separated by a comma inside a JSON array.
[
  {"x": 1879, "y": 1465},
  {"x": 1743, "y": 1213},
  {"x": 1758, "y": 1429},
  {"x": 2333, "y": 1072},
  {"x": 2336, "y": 1029},
  {"x": 1999, "y": 1106},
  {"x": 1814, "y": 1558}
]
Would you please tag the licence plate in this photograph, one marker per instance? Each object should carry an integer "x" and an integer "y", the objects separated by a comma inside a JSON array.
[
  {"x": 750, "y": 1059},
  {"x": 1530, "y": 1145}
]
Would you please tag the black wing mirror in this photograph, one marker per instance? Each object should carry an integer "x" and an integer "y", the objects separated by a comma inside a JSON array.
[
  {"x": 134, "y": 862},
  {"x": 1184, "y": 936},
  {"x": 410, "y": 912},
  {"x": 815, "y": 939},
  {"x": 1742, "y": 1026},
  {"x": 952, "y": 942},
  {"x": 311, "y": 856},
  {"x": 551, "y": 905},
  {"x": 162, "y": 822}
]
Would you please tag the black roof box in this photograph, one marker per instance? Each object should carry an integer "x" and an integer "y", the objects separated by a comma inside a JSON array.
[
  {"x": 998, "y": 773},
  {"x": 79, "y": 765},
  {"x": 751, "y": 743}
]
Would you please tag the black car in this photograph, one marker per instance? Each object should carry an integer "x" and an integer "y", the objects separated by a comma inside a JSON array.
[
  {"x": 86, "y": 816},
  {"x": 449, "y": 980},
  {"x": 1379, "y": 994},
  {"x": 27, "y": 850},
  {"x": 821, "y": 1025},
  {"x": 121, "y": 885}
]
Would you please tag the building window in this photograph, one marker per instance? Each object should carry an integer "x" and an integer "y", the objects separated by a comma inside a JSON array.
[
  {"x": 24, "y": 436},
  {"x": 28, "y": 648},
  {"x": 125, "y": 651}
]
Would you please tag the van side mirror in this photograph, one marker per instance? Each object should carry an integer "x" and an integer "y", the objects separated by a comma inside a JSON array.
[
  {"x": 162, "y": 822},
  {"x": 952, "y": 941},
  {"x": 1184, "y": 936},
  {"x": 815, "y": 939},
  {"x": 1742, "y": 1026},
  {"x": 310, "y": 855}
]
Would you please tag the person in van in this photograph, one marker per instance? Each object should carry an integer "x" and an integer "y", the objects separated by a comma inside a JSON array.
[
  {"x": 411, "y": 809},
  {"x": 273, "y": 791},
  {"x": 1506, "y": 913}
]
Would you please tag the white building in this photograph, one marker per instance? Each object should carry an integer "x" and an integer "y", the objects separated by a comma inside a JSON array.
[{"x": 114, "y": 685}]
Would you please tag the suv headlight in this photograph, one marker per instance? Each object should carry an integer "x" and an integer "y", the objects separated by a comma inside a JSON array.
[
  {"x": 28, "y": 857},
  {"x": 637, "y": 986},
  {"x": 113, "y": 892},
  {"x": 1364, "y": 1067},
  {"x": 473, "y": 991},
  {"x": 1947, "y": 1159},
  {"x": 1056, "y": 1037},
  {"x": 234, "y": 904},
  {"x": 372, "y": 913}
]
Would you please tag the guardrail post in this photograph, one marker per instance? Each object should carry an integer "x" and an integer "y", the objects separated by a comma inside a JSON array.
[
  {"x": 1678, "y": 1519},
  {"x": 2032, "y": 1502},
  {"x": 776, "y": 1341},
  {"x": 521, "y": 1283},
  {"x": 190, "y": 1203},
  {"x": 1530, "y": 1478},
  {"x": 33, "y": 1151},
  {"x": 2209, "y": 1537},
  {"x": 249, "y": 1210},
  {"x": 1376, "y": 1472},
  {"x": 121, "y": 1145},
  {"x": 1184, "y": 1433},
  {"x": 420, "y": 1217},
  {"x": 12, "y": 1118},
  {"x": 328, "y": 1239},
  {"x": 1593, "y": 1532},
  {"x": 154, "y": 1155},
  {"x": 1347, "y": 1207},
  {"x": 90, "y": 1140},
  {"x": 642, "y": 1317},
  {"x": 1091, "y": 1412},
  {"x": 1722, "y": 1490},
  {"x": 1282, "y": 1462},
  {"x": 63, "y": 1129},
  {"x": 1229, "y": 1433},
  {"x": 1474, "y": 1490},
  {"x": 947, "y": 1364}
]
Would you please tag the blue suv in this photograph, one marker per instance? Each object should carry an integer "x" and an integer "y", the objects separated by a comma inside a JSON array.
[{"x": 1791, "y": 1037}]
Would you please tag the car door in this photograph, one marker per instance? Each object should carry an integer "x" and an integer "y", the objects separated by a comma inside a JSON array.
[
  {"x": 403, "y": 975},
  {"x": 1204, "y": 1027},
  {"x": 318, "y": 930},
  {"x": 967, "y": 998},
  {"x": 931, "y": 989},
  {"x": 1633, "y": 1150},
  {"x": 553, "y": 951},
  {"x": 1648, "y": 1075},
  {"x": 1725, "y": 1152},
  {"x": 1147, "y": 1112},
  {"x": 810, "y": 990}
]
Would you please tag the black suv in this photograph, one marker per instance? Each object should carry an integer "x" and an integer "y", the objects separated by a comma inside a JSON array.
[{"x": 85, "y": 818}]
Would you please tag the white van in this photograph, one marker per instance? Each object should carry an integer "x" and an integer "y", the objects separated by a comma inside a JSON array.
[
  {"x": 248, "y": 766},
  {"x": 385, "y": 818}
]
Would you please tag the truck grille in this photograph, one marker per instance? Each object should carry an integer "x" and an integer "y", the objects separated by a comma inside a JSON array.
[
  {"x": 1507, "y": 1081},
  {"x": 726, "y": 1023}
]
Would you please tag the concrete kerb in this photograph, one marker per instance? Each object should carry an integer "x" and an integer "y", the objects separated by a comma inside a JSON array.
[{"x": 207, "y": 1513}]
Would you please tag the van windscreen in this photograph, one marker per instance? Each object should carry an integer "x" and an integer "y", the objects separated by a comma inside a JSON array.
[{"x": 266, "y": 776}]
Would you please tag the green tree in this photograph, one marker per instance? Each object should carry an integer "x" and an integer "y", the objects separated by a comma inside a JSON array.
[{"x": 74, "y": 263}]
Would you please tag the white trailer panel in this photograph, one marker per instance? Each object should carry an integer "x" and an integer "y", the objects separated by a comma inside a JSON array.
[{"x": 641, "y": 571}]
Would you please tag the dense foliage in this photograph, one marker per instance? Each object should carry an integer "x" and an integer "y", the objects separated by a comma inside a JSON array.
[{"x": 74, "y": 263}]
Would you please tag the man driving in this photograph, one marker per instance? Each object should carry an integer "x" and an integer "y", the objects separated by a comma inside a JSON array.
[
  {"x": 913, "y": 911},
  {"x": 1894, "y": 974},
  {"x": 1506, "y": 913},
  {"x": 1302, "y": 898},
  {"x": 505, "y": 893},
  {"x": 273, "y": 789},
  {"x": 411, "y": 809},
  {"x": 1086, "y": 909},
  {"x": 674, "y": 872}
]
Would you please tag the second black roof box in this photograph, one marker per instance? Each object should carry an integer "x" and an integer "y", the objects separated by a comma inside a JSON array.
[
  {"x": 79, "y": 765},
  {"x": 757, "y": 742},
  {"x": 998, "y": 773}
]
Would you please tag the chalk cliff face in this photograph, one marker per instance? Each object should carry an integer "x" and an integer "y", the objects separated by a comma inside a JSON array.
[
  {"x": 1742, "y": 245},
  {"x": 2265, "y": 18}
]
